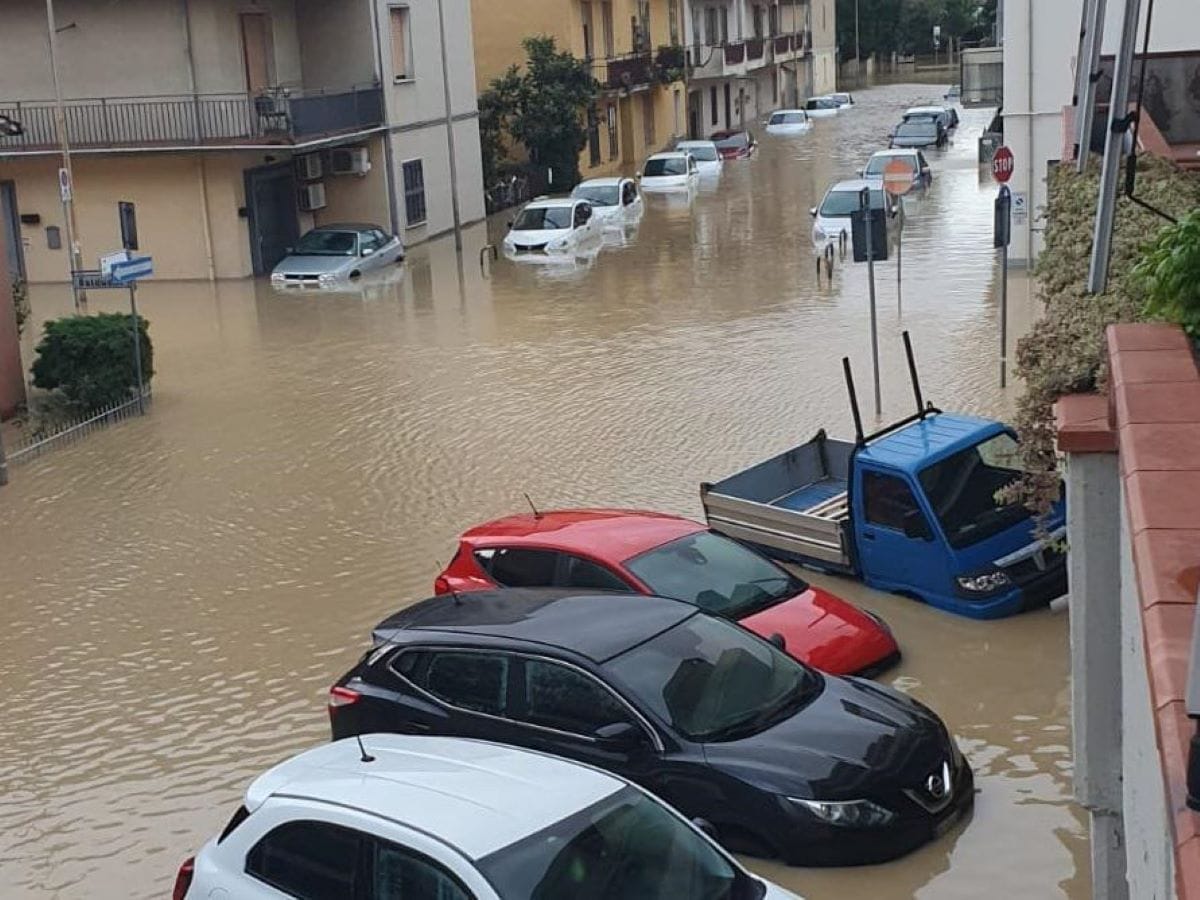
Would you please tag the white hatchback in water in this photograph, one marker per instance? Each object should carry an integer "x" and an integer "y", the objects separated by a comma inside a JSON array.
[
  {"x": 789, "y": 121},
  {"x": 832, "y": 217},
  {"x": 615, "y": 201},
  {"x": 551, "y": 226},
  {"x": 669, "y": 172},
  {"x": 706, "y": 154},
  {"x": 454, "y": 819}
]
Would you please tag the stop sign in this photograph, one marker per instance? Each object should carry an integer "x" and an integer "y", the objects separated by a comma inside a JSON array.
[
  {"x": 897, "y": 177},
  {"x": 1002, "y": 164}
]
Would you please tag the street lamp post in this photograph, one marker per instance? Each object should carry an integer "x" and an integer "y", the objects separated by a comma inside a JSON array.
[
  {"x": 68, "y": 197},
  {"x": 857, "y": 55}
]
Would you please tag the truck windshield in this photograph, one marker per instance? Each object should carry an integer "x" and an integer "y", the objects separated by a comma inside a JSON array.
[
  {"x": 713, "y": 681},
  {"x": 962, "y": 490},
  {"x": 627, "y": 845},
  {"x": 717, "y": 574}
]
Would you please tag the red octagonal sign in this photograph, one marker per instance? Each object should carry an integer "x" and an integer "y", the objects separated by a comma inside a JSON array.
[{"x": 1002, "y": 164}]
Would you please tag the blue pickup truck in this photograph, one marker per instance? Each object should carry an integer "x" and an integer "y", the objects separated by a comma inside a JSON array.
[{"x": 909, "y": 509}]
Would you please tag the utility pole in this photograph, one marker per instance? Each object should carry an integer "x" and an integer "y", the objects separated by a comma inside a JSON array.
[
  {"x": 857, "y": 53},
  {"x": 1085, "y": 109},
  {"x": 449, "y": 129},
  {"x": 1114, "y": 145},
  {"x": 67, "y": 190}
]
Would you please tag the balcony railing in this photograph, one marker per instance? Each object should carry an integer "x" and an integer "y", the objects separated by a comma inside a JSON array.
[
  {"x": 754, "y": 48},
  {"x": 735, "y": 54},
  {"x": 783, "y": 44},
  {"x": 619, "y": 72},
  {"x": 280, "y": 116}
]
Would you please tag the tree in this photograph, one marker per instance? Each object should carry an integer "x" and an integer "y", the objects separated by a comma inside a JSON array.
[{"x": 542, "y": 108}]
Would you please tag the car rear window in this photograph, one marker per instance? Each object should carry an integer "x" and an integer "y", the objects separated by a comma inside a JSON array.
[
  {"x": 675, "y": 165},
  {"x": 701, "y": 152}
]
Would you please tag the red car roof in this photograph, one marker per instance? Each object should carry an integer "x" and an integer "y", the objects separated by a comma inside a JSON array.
[{"x": 612, "y": 535}]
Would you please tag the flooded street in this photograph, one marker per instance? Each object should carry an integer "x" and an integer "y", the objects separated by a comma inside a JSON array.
[{"x": 178, "y": 592}]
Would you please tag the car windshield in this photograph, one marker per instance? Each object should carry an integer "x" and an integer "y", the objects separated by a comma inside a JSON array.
[
  {"x": 627, "y": 845},
  {"x": 543, "y": 218},
  {"x": 672, "y": 165},
  {"x": 737, "y": 140},
  {"x": 918, "y": 128},
  {"x": 597, "y": 194},
  {"x": 327, "y": 243},
  {"x": 820, "y": 103},
  {"x": 790, "y": 118},
  {"x": 840, "y": 204},
  {"x": 962, "y": 490},
  {"x": 878, "y": 163},
  {"x": 843, "y": 98},
  {"x": 717, "y": 574},
  {"x": 713, "y": 681},
  {"x": 702, "y": 152}
]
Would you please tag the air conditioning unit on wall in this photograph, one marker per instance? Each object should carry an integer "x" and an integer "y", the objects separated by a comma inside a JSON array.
[
  {"x": 308, "y": 167},
  {"x": 312, "y": 196},
  {"x": 349, "y": 161}
]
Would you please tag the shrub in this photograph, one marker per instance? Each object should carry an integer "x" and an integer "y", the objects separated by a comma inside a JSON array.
[
  {"x": 89, "y": 359},
  {"x": 1170, "y": 274},
  {"x": 20, "y": 294},
  {"x": 1065, "y": 350}
]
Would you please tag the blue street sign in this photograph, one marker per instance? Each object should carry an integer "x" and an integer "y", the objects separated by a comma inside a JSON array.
[{"x": 132, "y": 269}]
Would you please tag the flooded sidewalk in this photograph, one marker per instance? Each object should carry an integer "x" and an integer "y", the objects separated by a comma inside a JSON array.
[{"x": 178, "y": 592}]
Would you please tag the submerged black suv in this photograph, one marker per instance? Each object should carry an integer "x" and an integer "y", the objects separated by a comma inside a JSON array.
[{"x": 779, "y": 759}]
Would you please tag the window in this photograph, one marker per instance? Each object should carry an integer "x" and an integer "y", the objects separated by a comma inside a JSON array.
[
  {"x": 724, "y": 25},
  {"x": 593, "y": 133},
  {"x": 711, "y": 28},
  {"x": 308, "y": 860},
  {"x": 402, "y": 874},
  {"x": 401, "y": 43},
  {"x": 712, "y": 102},
  {"x": 648, "y": 119},
  {"x": 673, "y": 20},
  {"x": 586, "y": 10},
  {"x": 758, "y": 21},
  {"x": 414, "y": 192},
  {"x": 613, "y": 150},
  {"x": 962, "y": 490},
  {"x": 472, "y": 681},
  {"x": 583, "y": 573},
  {"x": 563, "y": 698},
  {"x": 517, "y": 567},
  {"x": 606, "y": 19},
  {"x": 887, "y": 500}
]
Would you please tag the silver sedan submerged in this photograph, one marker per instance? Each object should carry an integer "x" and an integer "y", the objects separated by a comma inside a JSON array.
[{"x": 336, "y": 253}]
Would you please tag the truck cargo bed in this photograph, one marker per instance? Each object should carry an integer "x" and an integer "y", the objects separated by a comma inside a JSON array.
[{"x": 793, "y": 506}]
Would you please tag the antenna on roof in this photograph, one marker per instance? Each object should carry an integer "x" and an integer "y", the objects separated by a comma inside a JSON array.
[
  {"x": 536, "y": 514},
  {"x": 366, "y": 757}
]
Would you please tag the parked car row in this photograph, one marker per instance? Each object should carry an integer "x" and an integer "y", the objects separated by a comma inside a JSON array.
[
  {"x": 925, "y": 126},
  {"x": 799, "y": 121}
]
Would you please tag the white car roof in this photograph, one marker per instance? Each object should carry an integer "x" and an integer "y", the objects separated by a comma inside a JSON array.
[
  {"x": 550, "y": 202},
  {"x": 601, "y": 182},
  {"x": 896, "y": 151},
  {"x": 854, "y": 184},
  {"x": 474, "y": 795},
  {"x": 924, "y": 109},
  {"x": 695, "y": 144},
  {"x": 667, "y": 155},
  {"x": 776, "y": 112}
]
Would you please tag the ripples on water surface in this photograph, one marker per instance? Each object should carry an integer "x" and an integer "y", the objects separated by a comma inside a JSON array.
[{"x": 178, "y": 592}]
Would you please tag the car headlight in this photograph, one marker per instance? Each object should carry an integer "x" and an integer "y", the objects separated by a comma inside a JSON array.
[
  {"x": 847, "y": 813},
  {"x": 984, "y": 583},
  {"x": 278, "y": 276},
  {"x": 326, "y": 277}
]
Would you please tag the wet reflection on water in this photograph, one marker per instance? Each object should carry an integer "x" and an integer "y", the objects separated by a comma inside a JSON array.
[{"x": 178, "y": 592}]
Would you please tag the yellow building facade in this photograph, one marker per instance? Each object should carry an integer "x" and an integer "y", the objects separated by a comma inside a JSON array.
[{"x": 635, "y": 112}]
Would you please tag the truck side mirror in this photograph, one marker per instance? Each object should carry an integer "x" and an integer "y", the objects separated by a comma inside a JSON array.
[{"x": 915, "y": 525}]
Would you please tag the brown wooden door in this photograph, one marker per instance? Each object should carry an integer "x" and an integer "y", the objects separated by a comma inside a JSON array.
[{"x": 256, "y": 51}]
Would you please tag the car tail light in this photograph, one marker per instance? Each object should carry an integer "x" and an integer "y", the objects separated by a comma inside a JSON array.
[
  {"x": 342, "y": 696},
  {"x": 441, "y": 585},
  {"x": 183, "y": 880}
]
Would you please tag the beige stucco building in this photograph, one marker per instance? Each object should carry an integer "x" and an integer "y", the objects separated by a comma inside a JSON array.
[{"x": 234, "y": 126}]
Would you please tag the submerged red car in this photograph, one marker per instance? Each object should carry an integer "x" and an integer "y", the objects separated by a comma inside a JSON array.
[
  {"x": 734, "y": 144},
  {"x": 669, "y": 556}
]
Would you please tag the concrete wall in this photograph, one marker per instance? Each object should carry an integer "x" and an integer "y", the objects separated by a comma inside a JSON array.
[
  {"x": 337, "y": 46},
  {"x": 498, "y": 29},
  {"x": 358, "y": 198},
  {"x": 1148, "y": 853}
]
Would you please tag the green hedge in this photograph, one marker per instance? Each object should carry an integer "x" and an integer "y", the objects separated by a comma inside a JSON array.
[{"x": 89, "y": 359}]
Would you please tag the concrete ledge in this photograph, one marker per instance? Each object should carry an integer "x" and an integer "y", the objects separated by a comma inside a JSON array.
[{"x": 1155, "y": 415}]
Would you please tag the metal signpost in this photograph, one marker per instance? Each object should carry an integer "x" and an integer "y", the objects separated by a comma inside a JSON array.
[
  {"x": 864, "y": 204},
  {"x": 1002, "y": 169},
  {"x": 898, "y": 181}
]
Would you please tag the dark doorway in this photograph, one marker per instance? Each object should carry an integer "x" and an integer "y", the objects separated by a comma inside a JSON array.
[
  {"x": 728, "y": 107},
  {"x": 271, "y": 203},
  {"x": 10, "y": 229}
]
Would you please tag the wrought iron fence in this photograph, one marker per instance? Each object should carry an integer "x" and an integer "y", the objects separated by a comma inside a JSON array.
[
  {"x": 37, "y": 442},
  {"x": 278, "y": 115}
]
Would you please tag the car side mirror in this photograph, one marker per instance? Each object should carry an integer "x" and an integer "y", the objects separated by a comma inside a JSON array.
[
  {"x": 862, "y": 173},
  {"x": 619, "y": 736},
  {"x": 813, "y": 212},
  {"x": 778, "y": 640},
  {"x": 367, "y": 251},
  {"x": 915, "y": 526}
]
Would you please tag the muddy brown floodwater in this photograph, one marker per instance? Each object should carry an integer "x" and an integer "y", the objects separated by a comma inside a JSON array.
[{"x": 178, "y": 592}]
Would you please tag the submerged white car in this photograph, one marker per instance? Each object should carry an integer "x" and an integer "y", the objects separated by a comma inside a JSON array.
[
  {"x": 551, "y": 225},
  {"x": 403, "y": 816},
  {"x": 832, "y": 217},
  {"x": 615, "y": 201},
  {"x": 706, "y": 154},
  {"x": 843, "y": 98},
  {"x": 333, "y": 254},
  {"x": 669, "y": 172},
  {"x": 922, "y": 174},
  {"x": 821, "y": 107},
  {"x": 789, "y": 121}
]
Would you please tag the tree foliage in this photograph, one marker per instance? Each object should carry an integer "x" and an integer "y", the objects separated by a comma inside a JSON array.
[
  {"x": 906, "y": 26},
  {"x": 543, "y": 108},
  {"x": 89, "y": 359}
]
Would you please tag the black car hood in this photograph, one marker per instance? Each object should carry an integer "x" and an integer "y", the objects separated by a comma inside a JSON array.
[{"x": 856, "y": 738}]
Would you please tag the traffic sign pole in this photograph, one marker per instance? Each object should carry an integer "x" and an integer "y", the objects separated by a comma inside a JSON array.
[
  {"x": 868, "y": 217},
  {"x": 1002, "y": 169},
  {"x": 898, "y": 181},
  {"x": 137, "y": 347}
]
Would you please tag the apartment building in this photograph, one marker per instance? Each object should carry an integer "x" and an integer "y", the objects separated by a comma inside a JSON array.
[
  {"x": 633, "y": 48},
  {"x": 747, "y": 57},
  {"x": 1039, "y": 69},
  {"x": 234, "y": 125}
]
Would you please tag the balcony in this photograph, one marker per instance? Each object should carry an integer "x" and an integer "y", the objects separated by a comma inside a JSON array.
[
  {"x": 756, "y": 55},
  {"x": 718, "y": 61},
  {"x": 281, "y": 116},
  {"x": 630, "y": 72}
]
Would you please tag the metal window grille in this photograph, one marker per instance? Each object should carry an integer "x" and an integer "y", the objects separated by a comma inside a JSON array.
[{"x": 414, "y": 192}]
